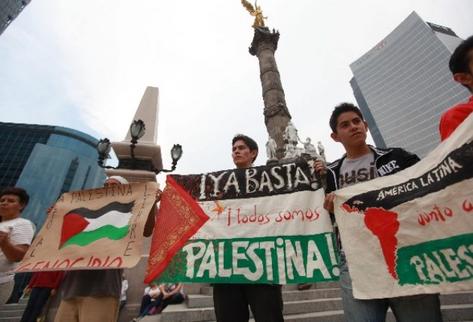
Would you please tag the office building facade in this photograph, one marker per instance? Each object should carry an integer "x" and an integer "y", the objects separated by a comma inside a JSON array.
[
  {"x": 9, "y": 10},
  {"x": 47, "y": 161},
  {"x": 403, "y": 84}
]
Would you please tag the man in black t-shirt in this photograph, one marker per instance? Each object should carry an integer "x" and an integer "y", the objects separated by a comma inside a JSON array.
[{"x": 231, "y": 301}]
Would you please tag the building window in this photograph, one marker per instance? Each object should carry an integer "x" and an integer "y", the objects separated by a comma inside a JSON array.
[
  {"x": 86, "y": 177},
  {"x": 71, "y": 172}
]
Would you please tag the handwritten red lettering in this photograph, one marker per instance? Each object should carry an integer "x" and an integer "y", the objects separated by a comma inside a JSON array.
[
  {"x": 253, "y": 218},
  {"x": 119, "y": 261},
  {"x": 23, "y": 267},
  {"x": 76, "y": 261},
  {"x": 66, "y": 261},
  {"x": 55, "y": 263},
  {"x": 307, "y": 215},
  {"x": 73, "y": 263},
  {"x": 37, "y": 264},
  {"x": 467, "y": 206},
  {"x": 437, "y": 214},
  {"x": 229, "y": 217},
  {"x": 96, "y": 262}
]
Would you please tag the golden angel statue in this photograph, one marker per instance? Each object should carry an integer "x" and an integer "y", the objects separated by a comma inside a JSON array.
[{"x": 256, "y": 12}]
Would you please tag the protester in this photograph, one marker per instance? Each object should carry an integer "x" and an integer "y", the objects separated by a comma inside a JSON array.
[
  {"x": 156, "y": 299},
  {"x": 231, "y": 300},
  {"x": 152, "y": 295},
  {"x": 172, "y": 294},
  {"x": 42, "y": 286},
  {"x": 15, "y": 236},
  {"x": 461, "y": 66},
  {"x": 93, "y": 295},
  {"x": 362, "y": 163}
]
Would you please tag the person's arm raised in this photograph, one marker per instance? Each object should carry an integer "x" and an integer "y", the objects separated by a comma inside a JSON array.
[{"x": 149, "y": 226}]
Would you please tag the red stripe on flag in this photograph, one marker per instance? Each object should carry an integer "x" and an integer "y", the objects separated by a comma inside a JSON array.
[
  {"x": 180, "y": 217},
  {"x": 71, "y": 226}
]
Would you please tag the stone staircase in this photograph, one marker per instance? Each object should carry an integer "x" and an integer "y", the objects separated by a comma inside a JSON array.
[
  {"x": 12, "y": 312},
  {"x": 319, "y": 304}
]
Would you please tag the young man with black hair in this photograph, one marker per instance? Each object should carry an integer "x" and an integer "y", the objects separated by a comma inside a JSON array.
[
  {"x": 362, "y": 163},
  {"x": 16, "y": 234},
  {"x": 231, "y": 301},
  {"x": 461, "y": 66}
]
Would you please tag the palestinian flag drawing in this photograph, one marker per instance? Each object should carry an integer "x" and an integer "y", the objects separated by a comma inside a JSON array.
[
  {"x": 100, "y": 228},
  {"x": 179, "y": 218},
  {"x": 83, "y": 226},
  {"x": 263, "y": 225}
]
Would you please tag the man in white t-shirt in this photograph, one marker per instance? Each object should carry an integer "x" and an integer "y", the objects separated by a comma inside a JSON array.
[{"x": 15, "y": 236}]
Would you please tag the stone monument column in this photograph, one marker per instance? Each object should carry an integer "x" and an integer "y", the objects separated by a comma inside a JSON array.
[
  {"x": 276, "y": 113},
  {"x": 147, "y": 155}
]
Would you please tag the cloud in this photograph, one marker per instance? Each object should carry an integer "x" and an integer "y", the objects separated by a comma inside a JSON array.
[{"x": 85, "y": 64}]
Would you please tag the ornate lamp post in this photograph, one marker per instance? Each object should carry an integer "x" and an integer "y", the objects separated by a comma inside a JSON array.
[
  {"x": 103, "y": 148},
  {"x": 176, "y": 153},
  {"x": 137, "y": 130}
]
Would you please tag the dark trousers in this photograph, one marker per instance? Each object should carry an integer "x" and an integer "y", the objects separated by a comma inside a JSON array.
[
  {"x": 177, "y": 298},
  {"x": 145, "y": 302},
  {"x": 21, "y": 281},
  {"x": 159, "y": 304},
  {"x": 231, "y": 302},
  {"x": 152, "y": 303},
  {"x": 38, "y": 298},
  {"x": 122, "y": 305}
]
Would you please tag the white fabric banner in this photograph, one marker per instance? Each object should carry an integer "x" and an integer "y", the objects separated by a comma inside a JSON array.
[
  {"x": 412, "y": 232},
  {"x": 266, "y": 225}
]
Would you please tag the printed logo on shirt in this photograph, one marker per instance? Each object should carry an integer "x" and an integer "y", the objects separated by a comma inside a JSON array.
[
  {"x": 354, "y": 176},
  {"x": 388, "y": 168}
]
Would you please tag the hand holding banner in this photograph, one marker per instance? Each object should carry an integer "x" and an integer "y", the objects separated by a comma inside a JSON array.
[{"x": 412, "y": 232}]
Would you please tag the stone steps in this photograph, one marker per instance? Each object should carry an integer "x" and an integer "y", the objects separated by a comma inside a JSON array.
[
  {"x": 12, "y": 312},
  {"x": 450, "y": 313},
  {"x": 207, "y": 290},
  {"x": 15, "y": 306},
  {"x": 202, "y": 300},
  {"x": 321, "y": 304}
]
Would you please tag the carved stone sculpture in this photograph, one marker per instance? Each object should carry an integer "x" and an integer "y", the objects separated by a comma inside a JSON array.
[
  {"x": 310, "y": 149},
  {"x": 271, "y": 147},
  {"x": 321, "y": 149}
]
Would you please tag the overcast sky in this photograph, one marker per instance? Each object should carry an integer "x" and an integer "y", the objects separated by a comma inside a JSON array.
[{"x": 85, "y": 64}]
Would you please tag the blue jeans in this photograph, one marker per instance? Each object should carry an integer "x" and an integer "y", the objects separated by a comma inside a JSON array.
[{"x": 416, "y": 308}]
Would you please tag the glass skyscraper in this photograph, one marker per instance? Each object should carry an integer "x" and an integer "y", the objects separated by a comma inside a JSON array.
[
  {"x": 47, "y": 161},
  {"x": 403, "y": 84},
  {"x": 9, "y": 10}
]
